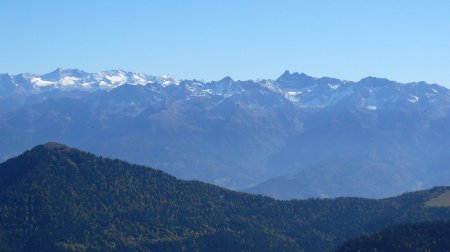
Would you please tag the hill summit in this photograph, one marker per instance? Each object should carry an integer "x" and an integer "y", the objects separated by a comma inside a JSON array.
[{"x": 57, "y": 198}]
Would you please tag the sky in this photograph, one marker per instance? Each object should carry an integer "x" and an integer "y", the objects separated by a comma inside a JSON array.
[{"x": 403, "y": 40}]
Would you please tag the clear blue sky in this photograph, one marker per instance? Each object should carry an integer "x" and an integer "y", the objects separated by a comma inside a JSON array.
[{"x": 404, "y": 40}]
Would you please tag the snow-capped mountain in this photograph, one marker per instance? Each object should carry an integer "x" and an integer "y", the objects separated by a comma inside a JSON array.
[
  {"x": 326, "y": 136},
  {"x": 69, "y": 79},
  {"x": 300, "y": 89}
]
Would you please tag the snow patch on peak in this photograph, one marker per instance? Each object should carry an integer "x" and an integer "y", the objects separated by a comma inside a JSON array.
[
  {"x": 38, "y": 82},
  {"x": 69, "y": 80},
  {"x": 413, "y": 99},
  {"x": 116, "y": 79},
  {"x": 271, "y": 86},
  {"x": 86, "y": 85},
  {"x": 140, "y": 79},
  {"x": 167, "y": 81},
  {"x": 333, "y": 87},
  {"x": 292, "y": 95}
]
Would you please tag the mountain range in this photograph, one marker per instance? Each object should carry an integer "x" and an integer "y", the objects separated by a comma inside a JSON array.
[
  {"x": 293, "y": 137},
  {"x": 56, "y": 198}
]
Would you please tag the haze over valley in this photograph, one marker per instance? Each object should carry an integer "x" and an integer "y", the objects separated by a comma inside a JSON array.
[
  {"x": 218, "y": 126},
  {"x": 295, "y": 136}
]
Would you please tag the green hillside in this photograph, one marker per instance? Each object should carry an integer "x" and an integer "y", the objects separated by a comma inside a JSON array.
[
  {"x": 425, "y": 237},
  {"x": 55, "y": 198}
]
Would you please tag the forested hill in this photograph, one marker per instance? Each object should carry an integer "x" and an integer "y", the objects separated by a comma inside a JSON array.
[
  {"x": 433, "y": 236},
  {"x": 55, "y": 198}
]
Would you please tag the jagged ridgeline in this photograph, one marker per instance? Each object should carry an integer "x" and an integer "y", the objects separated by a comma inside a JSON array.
[
  {"x": 296, "y": 136},
  {"x": 55, "y": 198}
]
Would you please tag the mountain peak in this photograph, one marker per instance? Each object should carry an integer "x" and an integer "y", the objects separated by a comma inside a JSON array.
[
  {"x": 52, "y": 148},
  {"x": 227, "y": 79},
  {"x": 59, "y": 73},
  {"x": 286, "y": 73},
  {"x": 370, "y": 78},
  {"x": 55, "y": 146},
  {"x": 288, "y": 76},
  {"x": 376, "y": 81},
  {"x": 295, "y": 80}
]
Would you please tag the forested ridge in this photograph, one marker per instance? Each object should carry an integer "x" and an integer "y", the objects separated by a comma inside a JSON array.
[
  {"x": 423, "y": 237},
  {"x": 55, "y": 198}
]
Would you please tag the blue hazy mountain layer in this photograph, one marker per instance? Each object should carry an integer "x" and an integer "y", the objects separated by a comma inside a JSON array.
[{"x": 293, "y": 137}]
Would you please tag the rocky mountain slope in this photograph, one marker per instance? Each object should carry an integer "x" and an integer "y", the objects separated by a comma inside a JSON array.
[{"x": 296, "y": 136}]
